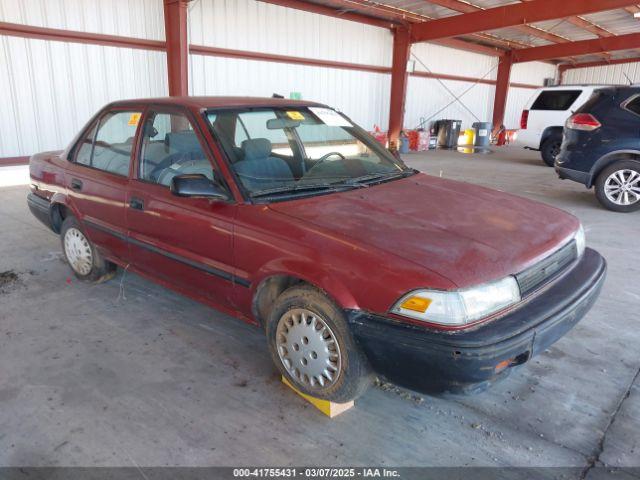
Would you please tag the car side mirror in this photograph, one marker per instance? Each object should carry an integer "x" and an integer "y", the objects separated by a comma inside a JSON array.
[{"x": 197, "y": 185}]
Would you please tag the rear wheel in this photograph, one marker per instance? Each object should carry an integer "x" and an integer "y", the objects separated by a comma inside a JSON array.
[
  {"x": 618, "y": 186},
  {"x": 311, "y": 345},
  {"x": 82, "y": 256},
  {"x": 551, "y": 148}
]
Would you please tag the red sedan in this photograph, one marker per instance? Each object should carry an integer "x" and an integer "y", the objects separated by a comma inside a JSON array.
[{"x": 288, "y": 215}]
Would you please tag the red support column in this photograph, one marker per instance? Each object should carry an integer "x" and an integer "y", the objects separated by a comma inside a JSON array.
[
  {"x": 175, "y": 26},
  {"x": 502, "y": 89},
  {"x": 401, "y": 51}
]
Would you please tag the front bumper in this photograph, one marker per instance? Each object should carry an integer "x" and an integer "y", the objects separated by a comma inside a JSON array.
[{"x": 433, "y": 361}]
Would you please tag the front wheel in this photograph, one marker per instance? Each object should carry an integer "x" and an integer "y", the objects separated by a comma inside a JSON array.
[
  {"x": 550, "y": 149},
  {"x": 618, "y": 186},
  {"x": 311, "y": 345},
  {"x": 82, "y": 256}
]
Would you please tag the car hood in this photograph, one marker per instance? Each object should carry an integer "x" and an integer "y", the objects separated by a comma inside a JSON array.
[{"x": 466, "y": 233}]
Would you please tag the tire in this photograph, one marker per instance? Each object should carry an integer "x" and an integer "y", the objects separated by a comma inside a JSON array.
[
  {"x": 82, "y": 256},
  {"x": 302, "y": 316},
  {"x": 550, "y": 149},
  {"x": 611, "y": 177}
]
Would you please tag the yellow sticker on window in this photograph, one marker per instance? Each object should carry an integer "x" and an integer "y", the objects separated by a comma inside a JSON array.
[
  {"x": 293, "y": 115},
  {"x": 134, "y": 119}
]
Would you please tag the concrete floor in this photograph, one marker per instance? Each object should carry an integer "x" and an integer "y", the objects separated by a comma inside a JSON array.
[{"x": 130, "y": 374}]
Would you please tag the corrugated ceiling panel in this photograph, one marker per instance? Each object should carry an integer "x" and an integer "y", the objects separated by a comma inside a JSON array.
[
  {"x": 48, "y": 90},
  {"x": 619, "y": 22},
  {"x": 129, "y": 18},
  {"x": 565, "y": 29},
  {"x": 262, "y": 27},
  {"x": 421, "y": 7},
  {"x": 363, "y": 96}
]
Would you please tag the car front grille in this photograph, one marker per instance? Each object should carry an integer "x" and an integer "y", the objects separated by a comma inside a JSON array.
[{"x": 546, "y": 269}]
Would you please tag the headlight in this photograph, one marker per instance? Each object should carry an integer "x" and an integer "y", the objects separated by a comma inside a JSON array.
[
  {"x": 459, "y": 307},
  {"x": 581, "y": 241}
]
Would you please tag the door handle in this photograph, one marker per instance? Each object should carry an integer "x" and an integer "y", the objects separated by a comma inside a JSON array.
[
  {"x": 76, "y": 184},
  {"x": 136, "y": 203}
]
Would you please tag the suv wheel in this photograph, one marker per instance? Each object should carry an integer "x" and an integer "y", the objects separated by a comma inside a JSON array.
[
  {"x": 82, "y": 256},
  {"x": 311, "y": 345},
  {"x": 618, "y": 186},
  {"x": 551, "y": 148}
]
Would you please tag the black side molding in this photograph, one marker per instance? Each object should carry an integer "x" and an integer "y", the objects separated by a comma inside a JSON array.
[{"x": 178, "y": 258}]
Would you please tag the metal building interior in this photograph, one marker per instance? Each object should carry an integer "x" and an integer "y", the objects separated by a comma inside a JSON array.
[{"x": 130, "y": 374}]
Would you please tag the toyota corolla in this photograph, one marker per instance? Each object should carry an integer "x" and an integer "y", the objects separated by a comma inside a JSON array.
[{"x": 289, "y": 216}]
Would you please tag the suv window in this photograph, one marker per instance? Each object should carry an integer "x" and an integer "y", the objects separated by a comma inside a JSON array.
[
  {"x": 634, "y": 105},
  {"x": 555, "y": 99},
  {"x": 109, "y": 149},
  {"x": 170, "y": 147}
]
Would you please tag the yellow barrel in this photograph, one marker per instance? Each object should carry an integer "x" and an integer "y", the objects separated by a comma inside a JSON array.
[{"x": 468, "y": 137}]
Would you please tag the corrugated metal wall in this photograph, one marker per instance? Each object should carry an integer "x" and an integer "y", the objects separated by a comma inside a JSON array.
[
  {"x": 430, "y": 98},
  {"x": 266, "y": 28},
  {"x": 427, "y": 98},
  {"x": 48, "y": 90},
  {"x": 129, "y": 18},
  {"x": 533, "y": 73},
  {"x": 617, "y": 74}
]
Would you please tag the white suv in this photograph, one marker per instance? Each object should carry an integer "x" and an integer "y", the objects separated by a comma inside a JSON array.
[{"x": 544, "y": 116}]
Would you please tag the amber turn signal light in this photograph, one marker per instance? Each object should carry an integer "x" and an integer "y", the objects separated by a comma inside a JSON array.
[{"x": 417, "y": 304}]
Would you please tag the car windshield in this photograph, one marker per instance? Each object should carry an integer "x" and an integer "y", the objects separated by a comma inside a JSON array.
[{"x": 291, "y": 152}]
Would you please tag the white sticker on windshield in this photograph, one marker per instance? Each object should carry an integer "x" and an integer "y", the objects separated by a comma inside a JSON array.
[{"x": 330, "y": 117}]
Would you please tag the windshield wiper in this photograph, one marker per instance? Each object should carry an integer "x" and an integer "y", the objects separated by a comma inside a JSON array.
[
  {"x": 299, "y": 189},
  {"x": 379, "y": 176}
]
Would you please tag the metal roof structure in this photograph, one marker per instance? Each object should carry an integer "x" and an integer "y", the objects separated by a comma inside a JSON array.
[{"x": 592, "y": 20}]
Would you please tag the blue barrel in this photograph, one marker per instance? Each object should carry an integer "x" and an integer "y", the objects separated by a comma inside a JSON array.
[
  {"x": 404, "y": 144},
  {"x": 483, "y": 134}
]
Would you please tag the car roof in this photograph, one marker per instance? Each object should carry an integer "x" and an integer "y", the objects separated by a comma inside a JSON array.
[{"x": 213, "y": 102}]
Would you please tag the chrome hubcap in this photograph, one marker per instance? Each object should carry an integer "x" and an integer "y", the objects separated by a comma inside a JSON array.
[
  {"x": 78, "y": 251},
  {"x": 623, "y": 187},
  {"x": 308, "y": 348}
]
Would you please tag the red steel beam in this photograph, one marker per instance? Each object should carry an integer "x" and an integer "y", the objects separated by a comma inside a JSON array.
[
  {"x": 401, "y": 51},
  {"x": 582, "y": 47},
  {"x": 11, "y": 161},
  {"x": 469, "y": 46},
  {"x": 332, "y": 12},
  {"x": 586, "y": 25},
  {"x": 59, "y": 35},
  {"x": 502, "y": 90},
  {"x": 460, "y": 78},
  {"x": 271, "y": 57},
  {"x": 175, "y": 26},
  {"x": 589, "y": 27},
  {"x": 464, "y": 7},
  {"x": 509, "y": 16}
]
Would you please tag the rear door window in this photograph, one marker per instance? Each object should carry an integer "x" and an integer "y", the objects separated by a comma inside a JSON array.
[
  {"x": 110, "y": 148},
  {"x": 555, "y": 99}
]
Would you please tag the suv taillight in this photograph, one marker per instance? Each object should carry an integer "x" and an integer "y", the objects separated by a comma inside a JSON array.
[
  {"x": 524, "y": 119},
  {"x": 583, "y": 121}
]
